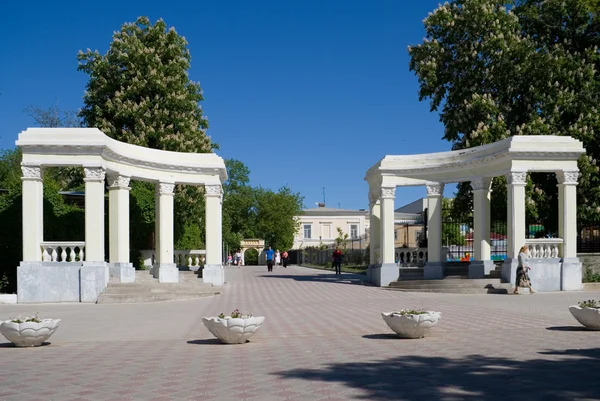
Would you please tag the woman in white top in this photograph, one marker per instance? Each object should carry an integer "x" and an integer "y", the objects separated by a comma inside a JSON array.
[
  {"x": 277, "y": 257},
  {"x": 522, "y": 269}
]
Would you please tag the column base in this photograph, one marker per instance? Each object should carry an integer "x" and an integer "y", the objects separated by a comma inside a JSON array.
[
  {"x": 571, "y": 275},
  {"x": 93, "y": 278},
  {"x": 434, "y": 271},
  {"x": 40, "y": 282},
  {"x": 122, "y": 272},
  {"x": 213, "y": 274},
  {"x": 383, "y": 274},
  {"x": 166, "y": 272},
  {"x": 481, "y": 268},
  {"x": 509, "y": 271}
]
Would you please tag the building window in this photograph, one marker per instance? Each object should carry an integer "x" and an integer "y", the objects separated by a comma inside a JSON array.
[
  {"x": 307, "y": 231},
  {"x": 354, "y": 231}
]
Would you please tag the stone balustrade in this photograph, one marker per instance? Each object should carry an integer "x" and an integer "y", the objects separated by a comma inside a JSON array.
[
  {"x": 193, "y": 258},
  {"x": 411, "y": 256},
  {"x": 63, "y": 251},
  {"x": 544, "y": 248}
]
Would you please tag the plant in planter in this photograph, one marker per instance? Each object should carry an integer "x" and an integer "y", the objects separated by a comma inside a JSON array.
[
  {"x": 236, "y": 328},
  {"x": 587, "y": 313},
  {"x": 29, "y": 331},
  {"x": 410, "y": 323}
]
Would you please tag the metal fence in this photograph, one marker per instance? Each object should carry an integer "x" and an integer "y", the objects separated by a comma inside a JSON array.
[
  {"x": 355, "y": 252},
  {"x": 588, "y": 237}
]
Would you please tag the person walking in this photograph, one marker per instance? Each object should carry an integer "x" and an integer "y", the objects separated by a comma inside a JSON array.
[
  {"x": 284, "y": 258},
  {"x": 522, "y": 271},
  {"x": 337, "y": 260},
  {"x": 238, "y": 258},
  {"x": 277, "y": 258},
  {"x": 270, "y": 255}
]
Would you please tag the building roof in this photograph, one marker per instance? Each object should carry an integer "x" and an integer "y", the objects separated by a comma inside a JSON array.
[
  {"x": 415, "y": 207},
  {"x": 328, "y": 211}
]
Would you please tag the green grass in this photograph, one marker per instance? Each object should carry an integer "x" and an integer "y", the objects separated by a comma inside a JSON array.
[{"x": 346, "y": 269}]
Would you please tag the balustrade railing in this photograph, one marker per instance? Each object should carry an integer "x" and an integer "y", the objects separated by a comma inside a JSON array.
[
  {"x": 544, "y": 248},
  {"x": 63, "y": 251},
  {"x": 193, "y": 259},
  {"x": 411, "y": 257}
]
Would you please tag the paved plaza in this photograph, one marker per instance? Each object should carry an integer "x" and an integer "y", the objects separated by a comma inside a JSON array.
[{"x": 323, "y": 338}]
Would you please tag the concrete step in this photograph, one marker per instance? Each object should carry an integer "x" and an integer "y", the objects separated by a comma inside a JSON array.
[
  {"x": 453, "y": 290},
  {"x": 449, "y": 283},
  {"x": 138, "y": 298},
  {"x": 163, "y": 289}
]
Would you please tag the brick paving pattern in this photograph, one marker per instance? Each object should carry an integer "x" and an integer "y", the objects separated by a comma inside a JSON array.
[{"x": 323, "y": 339}]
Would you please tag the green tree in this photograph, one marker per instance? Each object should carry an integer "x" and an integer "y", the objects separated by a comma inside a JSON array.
[
  {"x": 238, "y": 203},
  {"x": 139, "y": 91},
  {"x": 496, "y": 68},
  {"x": 275, "y": 216}
]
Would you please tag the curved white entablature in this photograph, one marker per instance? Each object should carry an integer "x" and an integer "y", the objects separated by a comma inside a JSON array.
[
  {"x": 90, "y": 147},
  {"x": 541, "y": 153}
]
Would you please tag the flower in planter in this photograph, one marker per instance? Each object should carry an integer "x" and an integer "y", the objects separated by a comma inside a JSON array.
[
  {"x": 587, "y": 313},
  {"x": 410, "y": 312},
  {"x": 29, "y": 331},
  {"x": 236, "y": 328}
]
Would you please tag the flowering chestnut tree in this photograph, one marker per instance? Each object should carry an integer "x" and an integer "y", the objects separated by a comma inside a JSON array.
[{"x": 497, "y": 68}]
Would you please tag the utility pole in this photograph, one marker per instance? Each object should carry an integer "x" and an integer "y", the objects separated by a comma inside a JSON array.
[{"x": 324, "y": 197}]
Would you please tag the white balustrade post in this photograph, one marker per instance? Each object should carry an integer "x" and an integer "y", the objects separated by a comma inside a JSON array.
[
  {"x": 33, "y": 212},
  {"x": 482, "y": 263},
  {"x": 118, "y": 222},
  {"x": 572, "y": 272},
  {"x": 374, "y": 229},
  {"x": 434, "y": 269},
  {"x": 165, "y": 269},
  {"x": 515, "y": 197},
  {"x": 213, "y": 269}
]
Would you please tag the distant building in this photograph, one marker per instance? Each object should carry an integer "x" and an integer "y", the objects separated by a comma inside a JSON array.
[{"x": 320, "y": 226}]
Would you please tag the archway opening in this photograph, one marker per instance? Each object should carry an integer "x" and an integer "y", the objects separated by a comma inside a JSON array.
[{"x": 251, "y": 257}]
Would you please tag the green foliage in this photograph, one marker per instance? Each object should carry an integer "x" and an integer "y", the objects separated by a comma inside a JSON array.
[
  {"x": 451, "y": 234},
  {"x": 251, "y": 257},
  {"x": 139, "y": 91},
  {"x": 590, "y": 304},
  {"x": 410, "y": 312},
  {"x": 496, "y": 68},
  {"x": 238, "y": 204},
  {"x": 190, "y": 237},
  {"x": 342, "y": 239},
  {"x": 589, "y": 276},
  {"x": 26, "y": 319},
  {"x": 4, "y": 283},
  {"x": 275, "y": 216}
]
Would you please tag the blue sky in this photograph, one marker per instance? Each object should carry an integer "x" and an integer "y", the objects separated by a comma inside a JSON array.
[{"x": 305, "y": 93}]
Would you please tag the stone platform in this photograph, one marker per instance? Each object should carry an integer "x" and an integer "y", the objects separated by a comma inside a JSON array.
[{"x": 323, "y": 339}]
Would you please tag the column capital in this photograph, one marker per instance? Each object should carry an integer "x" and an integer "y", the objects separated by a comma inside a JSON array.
[
  {"x": 388, "y": 192},
  {"x": 567, "y": 177},
  {"x": 516, "y": 177},
  {"x": 213, "y": 190},
  {"x": 165, "y": 188},
  {"x": 31, "y": 172},
  {"x": 435, "y": 189},
  {"x": 481, "y": 183},
  {"x": 117, "y": 181},
  {"x": 94, "y": 174}
]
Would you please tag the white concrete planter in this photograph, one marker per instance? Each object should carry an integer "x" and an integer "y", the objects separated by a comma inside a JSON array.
[
  {"x": 29, "y": 334},
  {"x": 233, "y": 330},
  {"x": 411, "y": 326},
  {"x": 589, "y": 317}
]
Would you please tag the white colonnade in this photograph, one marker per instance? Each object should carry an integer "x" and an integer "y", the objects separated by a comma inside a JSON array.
[
  {"x": 80, "y": 272},
  {"x": 512, "y": 158}
]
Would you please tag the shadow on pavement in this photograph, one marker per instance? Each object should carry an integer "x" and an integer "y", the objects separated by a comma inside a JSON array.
[
  {"x": 383, "y": 336},
  {"x": 346, "y": 278},
  {"x": 11, "y": 345},
  {"x": 568, "y": 328},
  {"x": 208, "y": 341},
  {"x": 475, "y": 377}
]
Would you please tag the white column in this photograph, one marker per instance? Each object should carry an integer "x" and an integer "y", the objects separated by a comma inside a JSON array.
[
  {"x": 374, "y": 229},
  {"x": 213, "y": 269},
  {"x": 118, "y": 223},
  {"x": 482, "y": 263},
  {"x": 567, "y": 212},
  {"x": 387, "y": 224},
  {"x": 94, "y": 214},
  {"x": 167, "y": 269},
  {"x": 572, "y": 271},
  {"x": 515, "y": 196},
  {"x": 33, "y": 212},
  {"x": 434, "y": 268}
]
